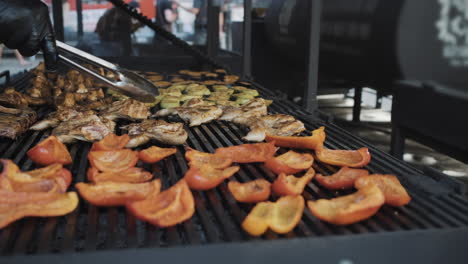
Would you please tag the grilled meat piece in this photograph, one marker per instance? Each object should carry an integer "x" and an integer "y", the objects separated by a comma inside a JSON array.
[
  {"x": 196, "y": 114},
  {"x": 13, "y": 121},
  {"x": 85, "y": 127},
  {"x": 12, "y": 98},
  {"x": 160, "y": 130},
  {"x": 244, "y": 114},
  {"x": 277, "y": 125},
  {"x": 127, "y": 109},
  {"x": 61, "y": 115}
]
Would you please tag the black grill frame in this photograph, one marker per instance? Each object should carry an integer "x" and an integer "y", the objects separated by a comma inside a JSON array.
[{"x": 438, "y": 211}]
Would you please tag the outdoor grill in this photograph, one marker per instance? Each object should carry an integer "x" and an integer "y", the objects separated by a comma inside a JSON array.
[{"x": 434, "y": 223}]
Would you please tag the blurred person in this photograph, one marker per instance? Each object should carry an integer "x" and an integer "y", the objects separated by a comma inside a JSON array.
[
  {"x": 115, "y": 29},
  {"x": 25, "y": 25},
  {"x": 166, "y": 14},
  {"x": 200, "y": 10},
  {"x": 17, "y": 54}
]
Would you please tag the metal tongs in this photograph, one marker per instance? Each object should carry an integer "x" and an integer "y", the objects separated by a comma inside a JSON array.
[{"x": 128, "y": 82}]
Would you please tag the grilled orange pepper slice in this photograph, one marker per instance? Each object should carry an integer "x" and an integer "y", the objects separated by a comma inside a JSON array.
[
  {"x": 350, "y": 158},
  {"x": 342, "y": 179},
  {"x": 349, "y": 209},
  {"x": 395, "y": 194},
  {"x": 167, "y": 208},
  {"x": 291, "y": 185},
  {"x": 290, "y": 162},
  {"x": 50, "y": 151},
  {"x": 197, "y": 159},
  {"x": 207, "y": 177},
  {"x": 111, "y": 142},
  {"x": 154, "y": 154},
  {"x": 250, "y": 192},
  {"x": 113, "y": 160},
  {"x": 247, "y": 153},
  {"x": 310, "y": 142},
  {"x": 280, "y": 216}
]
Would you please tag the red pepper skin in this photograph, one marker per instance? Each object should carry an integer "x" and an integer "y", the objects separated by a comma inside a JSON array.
[
  {"x": 50, "y": 151},
  {"x": 248, "y": 153},
  {"x": 111, "y": 142},
  {"x": 250, "y": 192},
  {"x": 168, "y": 208},
  {"x": 113, "y": 160},
  {"x": 154, "y": 154},
  {"x": 349, "y": 158},
  {"x": 342, "y": 179},
  {"x": 291, "y": 185},
  {"x": 395, "y": 194},
  {"x": 206, "y": 177},
  {"x": 290, "y": 162},
  {"x": 311, "y": 142}
]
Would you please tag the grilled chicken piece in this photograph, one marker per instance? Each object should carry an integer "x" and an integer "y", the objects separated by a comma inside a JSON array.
[
  {"x": 196, "y": 113},
  {"x": 277, "y": 125},
  {"x": 85, "y": 127},
  {"x": 55, "y": 118},
  {"x": 13, "y": 121},
  {"x": 244, "y": 114},
  {"x": 127, "y": 109},
  {"x": 160, "y": 130},
  {"x": 12, "y": 98}
]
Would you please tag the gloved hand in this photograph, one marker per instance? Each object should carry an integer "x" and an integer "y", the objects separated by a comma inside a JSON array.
[{"x": 25, "y": 25}]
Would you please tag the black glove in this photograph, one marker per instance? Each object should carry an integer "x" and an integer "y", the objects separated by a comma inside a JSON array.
[{"x": 25, "y": 25}]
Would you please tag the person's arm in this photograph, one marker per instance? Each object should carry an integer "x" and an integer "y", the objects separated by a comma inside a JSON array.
[
  {"x": 170, "y": 15},
  {"x": 25, "y": 25},
  {"x": 193, "y": 10}
]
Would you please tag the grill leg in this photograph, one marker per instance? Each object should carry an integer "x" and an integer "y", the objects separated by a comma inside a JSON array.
[
  {"x": 357, "y": 104},
  {"x": 397, "y": 145}
]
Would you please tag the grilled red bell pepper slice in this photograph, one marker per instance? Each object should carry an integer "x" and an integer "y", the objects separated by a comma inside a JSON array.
[
  {"x": 349, "y": 209},
  {"x": 116, "y": 193},
  {"x": 207, "y": 177},
  {"x": 290, "y": 162},
  {"x": 50, "y": 151},
  {"x": 350, "y": 158},
  {"x": 111, "y": 142},
  {"x": 154, "y": 154},
  {"x": 131, "y": 175},
  {"x": 250, "y": 192},
  {"x": 113, "y": 160},
  {"x": 39, "y": 180},
  {"x": 291, "y": 185},
  {"x": 342, "y": 179},
  {"x": 310, "y": 142},
  {"x": 197, "y": 159},
  {"x": 16, "y": 205},
  {"x": 280, "y": 216},
  {"x": 168, "y": 208},
  {"x": 247, "y": 153},
  {"x": 395, "y": 194}
]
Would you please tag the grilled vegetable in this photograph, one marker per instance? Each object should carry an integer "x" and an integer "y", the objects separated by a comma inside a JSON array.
[
  {"x": 168, "y": 208},
  {"x": 247, "y": 153},
  {"x": 206, "y": 177},
  {"x": 342, "y": 179},
  {"x": 291, "y": 185},
  {"x": 113, "y": 160},
  {"x": 111, "y": 142},
  {"x": 311, "y": 142},
  {"x": 198, "y": 159},
  {"x": 290, "y": 162},
  {"x": 394, "y": 193},
  {"x": 131, "y": 175},
  {"x": 250, "y": 192},
  {"x": 50, "y": 151},
  {"x": 351, "y": 158},
  {"x": 154, "y": 154},
  {"x": 281, "y": 216},
  {"x": 170, "y": 102},
  {"x": 349, "y": 209}
]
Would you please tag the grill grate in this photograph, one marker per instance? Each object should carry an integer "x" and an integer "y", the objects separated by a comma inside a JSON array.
[{"x": 218, "y": 216}]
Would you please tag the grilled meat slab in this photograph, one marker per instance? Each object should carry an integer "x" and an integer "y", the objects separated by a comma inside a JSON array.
[
  {"x": 244, "y": 114},
  {"x": 195, "y": 115},
  {"x": 14, "y": 122},
  {"x": 277, "y": 125},
  {"x": 84, "y": 127},
  {"x": 61, "y": 115},
  {"x": 159, "y": 130},
  {"x": 129, "y": 109}
]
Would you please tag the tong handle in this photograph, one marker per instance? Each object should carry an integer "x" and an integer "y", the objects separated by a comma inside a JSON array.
[{"x": 86, "y": 56}]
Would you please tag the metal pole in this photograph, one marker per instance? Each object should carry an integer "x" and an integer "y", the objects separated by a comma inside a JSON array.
[
  {"x": 247, "y": 45},
  {"x": 79, "y": 16},
  {"x": 212, "y": 42},
  {"x": 310, "y": 94},
  {"x": 57, "y": 13}
]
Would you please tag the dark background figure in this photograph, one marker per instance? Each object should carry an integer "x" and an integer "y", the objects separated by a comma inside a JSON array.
[
  {"x": 199, "y": 9},
  {"x": 115, "y": 29},
  {"x": 166, "y": 14}
]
